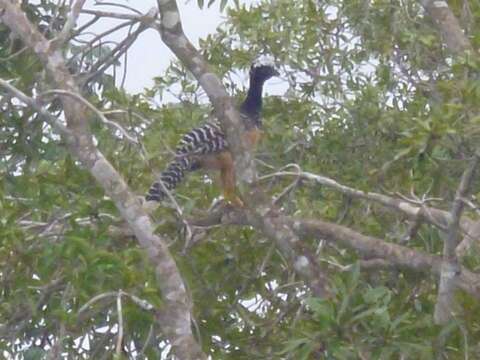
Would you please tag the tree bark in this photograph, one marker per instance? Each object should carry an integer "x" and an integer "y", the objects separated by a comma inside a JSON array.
[{"x": 175, "y": 316}]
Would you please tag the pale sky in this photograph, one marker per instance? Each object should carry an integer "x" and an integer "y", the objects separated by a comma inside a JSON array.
[{"x": 148, "y": 56}]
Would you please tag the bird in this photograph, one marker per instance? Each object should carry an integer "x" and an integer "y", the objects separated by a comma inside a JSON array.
[{"x": 206, "y": 146}]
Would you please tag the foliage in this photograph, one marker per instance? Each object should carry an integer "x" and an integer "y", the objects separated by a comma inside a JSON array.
[{"x": 373, "y": 100}]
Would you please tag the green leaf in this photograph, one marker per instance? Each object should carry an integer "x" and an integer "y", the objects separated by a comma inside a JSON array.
[
  {"x": 293, "y": 345},
  {"x": 323, "y": 310},
  {"x": 34, "y": 353},
  {"x": 377, "y": 295}
]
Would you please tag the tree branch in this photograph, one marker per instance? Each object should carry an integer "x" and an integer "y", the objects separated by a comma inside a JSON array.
[
  {"x": 400, "y": 256},
  {"x": 445, "y": 306},
  {"x": 70, "y": 24},
  {"x": 171, "y": 32},
  {"x": 397, "y": 255},
  {"x": 175, "y": 316},
  {"x": 448, "y": 25},
  {"x": 97, "y": 112},
  {"x": 437, "y": 217},
  {"x": 105, "y": 62},
  {"x": 104, "y": 14}
]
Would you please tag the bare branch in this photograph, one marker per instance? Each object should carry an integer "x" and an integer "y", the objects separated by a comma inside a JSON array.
[
  {"x": 469, "y": 240},
  {"x": 94, "y": 300},
  {"x": 118, "y": 349},
  {"x": 445, "y": 307},
  {"x": 122, "y": 6},
  {"x": 70, "y": 23},
  {"x": 51, "y": 119},
  {"x": 104, "y": 14},
  {"x": 89, "y": 23},
  {"x": 151, "y": 205},
  {"x": 97, "y": 112},
  {"x": 15, "y": 54},
  {"x": 397, "y": 255},
  {"x": 144, "y": 304},
  {"x": 437, "y": 217},
  {"x": 301, "y": 257},
  {"x": 448, "y": 25},
  {"x": 458, "y": 205},
  {"x": 96, "y": 38},
  {"x": 105, "y": 62},
  {"x": 375, "y": 264}
]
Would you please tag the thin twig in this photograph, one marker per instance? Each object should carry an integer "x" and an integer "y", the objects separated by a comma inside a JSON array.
[
  {"x": 90, "y": 43},
  {"x": 71, "y": 22},
  {"x": 104, "y": 14},
  {"x": 95, "y": 110},
  {"x": 84, "y": 26},
  {"x": 144, "y": 304},
  {"x": 188, "y": 235},
  {"x": 95, "y": 299},
  {"x": 147, "y": 340},
  {"x": 103, "y": 64},
  {"x": 15, "y": 54},
  {"x": 276, "y": 199},
  {"x": 55, "y": 122},
  {"x": 123, "y": 6},
  {"x": 445, "y": 306},
  {"x": 118, "y": 349},
  {"x": 434, "y": 216}
]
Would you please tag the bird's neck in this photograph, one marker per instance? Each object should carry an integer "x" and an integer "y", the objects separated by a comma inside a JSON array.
[{"x": 252, "y": 105}]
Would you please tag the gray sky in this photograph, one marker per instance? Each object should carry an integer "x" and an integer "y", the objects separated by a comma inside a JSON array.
[{"x": 148, "y": 57}]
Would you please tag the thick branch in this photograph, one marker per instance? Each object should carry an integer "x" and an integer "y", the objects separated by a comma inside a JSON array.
[
  {"x": 445, "y": 306},
  {"x": 400, "y": 256},
  {"x": 458, "y": 42},
  {"x": 175, "y": 315},
  {"x": 469, "y": 239},
  {"x": 448, "y": 25},
  {"x": 457, "y": 208},
  {"x": 70, "y": 23},
  {"x": 433, "y": 216},
  {"x": 300, "y": 256},
  {"x": 397, "y": 255},
  {"x": 173, "y": 36}
]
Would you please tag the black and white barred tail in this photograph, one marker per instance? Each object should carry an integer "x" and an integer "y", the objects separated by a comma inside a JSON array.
[
  {"x": 170, "y": 178},
  {"x": 206, "y": 139}
]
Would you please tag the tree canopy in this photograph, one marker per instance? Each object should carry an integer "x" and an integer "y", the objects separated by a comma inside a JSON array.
[{"x": 359, "y": 235}]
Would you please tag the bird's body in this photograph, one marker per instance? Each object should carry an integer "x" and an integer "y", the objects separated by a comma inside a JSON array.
[{"x": 206, "y": 146}]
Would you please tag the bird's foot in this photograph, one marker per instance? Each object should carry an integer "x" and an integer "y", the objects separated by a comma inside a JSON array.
[{"x": 234, "y": 200}]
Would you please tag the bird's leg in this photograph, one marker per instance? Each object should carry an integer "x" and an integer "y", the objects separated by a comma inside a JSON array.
[
  {"x": 252, "y": 137},
  {"x": 227, "y": 175}
]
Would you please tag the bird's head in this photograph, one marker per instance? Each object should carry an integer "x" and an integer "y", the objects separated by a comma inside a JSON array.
[{"x": 263, "y": 69}]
